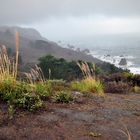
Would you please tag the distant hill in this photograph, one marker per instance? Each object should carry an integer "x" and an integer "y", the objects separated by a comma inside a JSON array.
[{"x": 34, "y": 46}]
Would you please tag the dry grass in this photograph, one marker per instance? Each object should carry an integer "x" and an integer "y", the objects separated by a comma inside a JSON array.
[
  {"x": 17, "y": 52},
  {"x": 35, "y": 75},
  {"x": 136, "y": 89},
  {"x": 126, "y": 132},
  {"x": 87, "y": 72},
  {"x": 90, "y": 83},
  {"x": 16, "y": 93},
  {"x": 9, "y": 66}
]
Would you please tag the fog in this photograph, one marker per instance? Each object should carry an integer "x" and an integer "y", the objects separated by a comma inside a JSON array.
[{"x": 73, "y": 20}]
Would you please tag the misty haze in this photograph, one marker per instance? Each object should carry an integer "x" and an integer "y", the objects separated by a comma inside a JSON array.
[{"x": 67, "y": 61}]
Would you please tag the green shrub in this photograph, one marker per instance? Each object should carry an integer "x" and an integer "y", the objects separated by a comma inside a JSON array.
[
  {"x": 29, "y": 101},
  {"x": 88, "y": 85},
  {"x": 58, "y": 85},
  {"x": 14, "y": 92},
  {"x": 63, "y": 97},
  {"x": 19, "y": 95},
  {"x": 44, "y": 90}
]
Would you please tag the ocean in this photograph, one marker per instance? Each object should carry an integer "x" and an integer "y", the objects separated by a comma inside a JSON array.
[
  {"x": 112, "y": 48},
  {"x": 114, "y": 54}
]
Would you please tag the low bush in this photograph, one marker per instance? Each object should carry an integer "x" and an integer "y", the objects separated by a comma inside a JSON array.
[
  {"x": 63, "y": 97},
  {"x": 19, "y": 95},
  {"x": 43, "y": 90},
  {"x": 135, "y": 80},
  {"x": 29, "y": 102},
  {"x": 117, "y": 87},
  {"x": 58, "y": 85}
]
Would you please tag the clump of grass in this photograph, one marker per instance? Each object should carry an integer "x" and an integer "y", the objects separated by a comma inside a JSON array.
[
  {"x": 63, "y": 97},
  {"x": 136, "y": 89},
  {"x": 7, "y": 66},
  {"x": 44, "y": 90},
  {"x": 58, "y": 85},
  {"x": 89, "y": 83},
  {"x": 35, "y": 75},
  {"x": 42, "y": 87},
  {"x": 88, "y": 72}
]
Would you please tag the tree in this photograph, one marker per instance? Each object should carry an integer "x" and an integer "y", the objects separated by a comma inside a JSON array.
[{"x": 60, "y": 68}]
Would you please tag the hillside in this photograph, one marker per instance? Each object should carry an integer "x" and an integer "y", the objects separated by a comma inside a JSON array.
[{"x": 34, "y": 46}]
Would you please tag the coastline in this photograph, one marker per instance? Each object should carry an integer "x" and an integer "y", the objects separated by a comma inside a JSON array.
[{"x": 116, "y": 59}]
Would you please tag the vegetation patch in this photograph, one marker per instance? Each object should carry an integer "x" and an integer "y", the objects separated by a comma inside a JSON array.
[
  {"x": 117, "y": 87},
  {"x": 88, "y": 85},
  {"x": 63, "y": 97}
]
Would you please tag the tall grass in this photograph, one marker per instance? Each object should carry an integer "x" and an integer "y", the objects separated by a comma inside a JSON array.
[
  {"x": 17, "y": 52},
  {"x": 16, "y": 93},
  {"x": 90, "y": 83},
  {"x": 35, "y": 75},
  {"x": 9, "y": 66},
  {"x": 86, "y": 70}
]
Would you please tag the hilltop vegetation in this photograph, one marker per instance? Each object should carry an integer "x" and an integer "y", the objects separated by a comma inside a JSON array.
[{"x": 59, "y": 68}]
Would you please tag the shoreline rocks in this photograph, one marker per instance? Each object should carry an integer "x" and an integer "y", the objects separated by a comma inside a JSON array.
[{"x": 123, "y": 62}]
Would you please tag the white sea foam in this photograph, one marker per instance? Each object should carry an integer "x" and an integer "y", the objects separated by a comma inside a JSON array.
[
  {"x": 116, "y": 60},
  {"x": 135, "y": 70}
]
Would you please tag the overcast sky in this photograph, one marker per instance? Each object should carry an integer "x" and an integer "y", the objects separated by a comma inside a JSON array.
[{"x": 69, "y": 19}]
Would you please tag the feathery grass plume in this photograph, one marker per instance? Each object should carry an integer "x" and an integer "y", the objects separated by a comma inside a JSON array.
[
  {"x": 86, "y": 70},
  {"x": 13, "y": 91},
  {"x": 88, "y": 86},
  {"x": 34, "y": 75},
  {"x": 50, "y": 74},
  {"x": 89, "y": 83},
  {"x": 17, "y": 38},
  {"x": 7, "y": 65},
  {"x": 94, "y": 69}
]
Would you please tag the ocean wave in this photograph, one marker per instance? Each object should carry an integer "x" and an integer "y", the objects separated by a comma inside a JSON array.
[
  {"x": 135, "y": 70},
  {"x": 116, "y": 60}
]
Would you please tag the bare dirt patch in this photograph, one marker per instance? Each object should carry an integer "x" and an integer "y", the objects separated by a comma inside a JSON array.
[{"x": 101, "y": 117}]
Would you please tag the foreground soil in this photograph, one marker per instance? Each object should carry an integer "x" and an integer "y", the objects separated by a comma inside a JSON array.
[{"x": 88, "y": 118}]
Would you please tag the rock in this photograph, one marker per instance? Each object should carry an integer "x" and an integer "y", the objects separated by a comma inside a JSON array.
[
  {"x": 78, "y": 50},
  {"x": 123, "y": 62},
  {"x": 77, "y": 94},
  {"x": 86, "y": 51},
  {"x": 108, "y": 55},
  {"x": 121, "y": 56},
  {"x": 70, "y": 46},
  {"x": 78, "y": 97}
]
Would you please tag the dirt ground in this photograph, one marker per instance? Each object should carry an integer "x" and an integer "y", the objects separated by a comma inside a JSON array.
[{"x": 88, "y": 118}]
